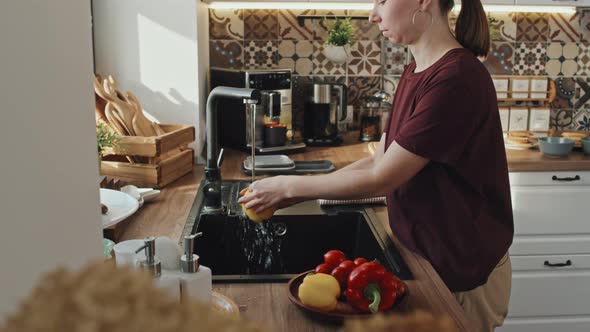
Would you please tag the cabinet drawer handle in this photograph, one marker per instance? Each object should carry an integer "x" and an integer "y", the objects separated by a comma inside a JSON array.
[
  {"x": 575, "y": 178},
  {"x": 567, "y": 263}
]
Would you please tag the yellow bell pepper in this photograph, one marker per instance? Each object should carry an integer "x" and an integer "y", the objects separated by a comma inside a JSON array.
[
  {"x": 320, "y": 291},
  {"x": 257, "y": 217}
]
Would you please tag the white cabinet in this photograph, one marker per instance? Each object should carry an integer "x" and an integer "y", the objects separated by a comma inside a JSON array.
[
  {"x": 550, "y": 253},
  {"x": 552, "y": 324},
  {"x": 562, "y": 292},
  {"x": 544, "y": 210}
]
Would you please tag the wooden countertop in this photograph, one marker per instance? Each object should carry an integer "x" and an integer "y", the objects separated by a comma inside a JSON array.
[
  {"x": 534, "y": 160},
  {"x": 268, "y": 302}
]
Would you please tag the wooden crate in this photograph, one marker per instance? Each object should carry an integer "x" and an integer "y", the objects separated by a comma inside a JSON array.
[
  {"x": 176, "y": 136},
  {"x": 148, "y": 175},
  {"x": 152, "y": 161}
]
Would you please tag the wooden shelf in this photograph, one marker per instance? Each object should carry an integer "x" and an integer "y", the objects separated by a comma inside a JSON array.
[{"x": 549, "y": 94}]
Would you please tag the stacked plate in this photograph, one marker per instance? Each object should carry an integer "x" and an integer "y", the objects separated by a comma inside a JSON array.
[
  {"x": 270, "y": 163},
  {"x": 576, "y": 137},
  {"x": 521, "y": 140}
]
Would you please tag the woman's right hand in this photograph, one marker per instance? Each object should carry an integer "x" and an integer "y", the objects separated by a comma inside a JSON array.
[{"x": 269, "y": 192}]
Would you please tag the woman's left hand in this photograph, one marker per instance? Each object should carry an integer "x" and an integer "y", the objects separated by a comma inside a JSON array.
[{"x": 269, "y": 192}]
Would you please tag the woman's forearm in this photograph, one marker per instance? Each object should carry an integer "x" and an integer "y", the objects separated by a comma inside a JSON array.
[
  {"x": 365, "y": 163},
  {"x": 387, "y": 173},
  {"x": 347, "y": 184}
]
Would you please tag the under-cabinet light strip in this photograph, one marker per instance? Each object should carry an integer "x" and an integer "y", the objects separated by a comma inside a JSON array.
[{"x": 369, "y": 6}]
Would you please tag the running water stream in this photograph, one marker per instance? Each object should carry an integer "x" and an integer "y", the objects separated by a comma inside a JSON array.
[
  {"x": 261, "y": 242},
  {"x": 261, "y": 245},
  {"x": 253, "y": 139}
]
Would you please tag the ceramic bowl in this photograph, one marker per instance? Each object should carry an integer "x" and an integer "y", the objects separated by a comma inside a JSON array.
[
  {"x": 555, "y": 146},
  {"x": 586, "y": 144}
]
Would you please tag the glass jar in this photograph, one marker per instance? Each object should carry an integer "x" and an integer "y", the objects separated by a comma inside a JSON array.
[{"x": 370, "y": 115}]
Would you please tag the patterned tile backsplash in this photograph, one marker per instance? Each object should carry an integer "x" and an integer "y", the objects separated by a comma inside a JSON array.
[{"x": 553, "y": 45}]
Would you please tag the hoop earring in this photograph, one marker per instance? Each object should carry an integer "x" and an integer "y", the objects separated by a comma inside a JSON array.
[{"x": 422, "y": 11}]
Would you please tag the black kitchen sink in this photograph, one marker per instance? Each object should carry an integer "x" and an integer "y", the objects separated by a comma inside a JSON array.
[{"x": 237, "y": 249}]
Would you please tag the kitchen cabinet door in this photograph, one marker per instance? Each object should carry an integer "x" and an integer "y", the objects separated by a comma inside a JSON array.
[
  {"x": 550, "y": 263},
  {"x": 551, "y": 244},
  {"x": 552, "y": 324},
  {"x": 553, "y": 293},
  {"x": 550, "y": 178},
  {"x": 550, "y": 210}
]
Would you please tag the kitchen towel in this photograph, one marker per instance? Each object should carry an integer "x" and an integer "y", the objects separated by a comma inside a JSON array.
[{"x": 371, "y": 200}]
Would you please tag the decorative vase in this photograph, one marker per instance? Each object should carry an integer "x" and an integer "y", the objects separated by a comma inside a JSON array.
[{"x": 336, "y": 54}]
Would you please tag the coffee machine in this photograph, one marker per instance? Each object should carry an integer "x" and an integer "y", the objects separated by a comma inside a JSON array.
[
  {"x": 273, "y": 112},
  {"x": 323, "y": 112}
]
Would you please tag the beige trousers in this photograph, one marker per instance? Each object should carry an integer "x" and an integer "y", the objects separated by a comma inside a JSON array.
[{"x": 487, "y": 305}]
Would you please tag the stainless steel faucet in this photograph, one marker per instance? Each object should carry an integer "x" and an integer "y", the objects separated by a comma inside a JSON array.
[{"x": 212, "y": 186}]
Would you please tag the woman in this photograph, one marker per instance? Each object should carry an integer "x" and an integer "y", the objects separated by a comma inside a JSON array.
[{"x": 441, "y": 162}]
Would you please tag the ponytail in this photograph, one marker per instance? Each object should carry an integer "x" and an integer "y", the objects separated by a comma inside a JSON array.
[{"x": 472, "y": 29}]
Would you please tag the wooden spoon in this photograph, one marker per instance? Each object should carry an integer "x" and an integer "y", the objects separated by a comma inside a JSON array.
[
  {"x": 113, "y": 83},
  {"x": 120, "y": 109},
  {"x": 115, "y": 120},
  {"x": 124, "y": 109},
  {"x": 99, "y": 89},
  {"x": 100, "y": 102},
  {"x": 158, "y": 129},
  {"x": 115, "y": 123},
  {"x": 141, "y": 125}
]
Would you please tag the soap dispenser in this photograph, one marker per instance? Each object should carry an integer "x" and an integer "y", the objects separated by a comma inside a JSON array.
[
  {"x": 169, "y": 282},
  {"x": 151, "y": 263},
  {"x": 195, "y": 280}
]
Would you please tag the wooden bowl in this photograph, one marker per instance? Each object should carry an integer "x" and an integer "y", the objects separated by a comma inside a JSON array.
[{"x": 343, "y": 309}]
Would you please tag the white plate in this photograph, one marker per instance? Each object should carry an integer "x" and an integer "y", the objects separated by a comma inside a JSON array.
[
  {"x": 120, "y": 204},
  {"x": 134, "y": 192}
]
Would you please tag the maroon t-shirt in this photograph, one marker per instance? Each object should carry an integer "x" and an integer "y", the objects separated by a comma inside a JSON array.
[{"x": 456, "y": 212}]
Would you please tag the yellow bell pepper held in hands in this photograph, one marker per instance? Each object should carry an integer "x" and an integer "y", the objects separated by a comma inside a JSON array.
[
  {"x": 320, "y": 291},
  {"x": 251, "y": 212}
]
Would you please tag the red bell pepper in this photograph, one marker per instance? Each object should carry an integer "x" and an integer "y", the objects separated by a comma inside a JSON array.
[
  {"x": 342, "y": 271},
  {"x": 371, "y": 288}
]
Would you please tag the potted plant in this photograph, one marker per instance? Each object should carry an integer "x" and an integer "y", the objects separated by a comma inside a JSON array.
[
  {"x": 340, "y": 36},
  {"x": 105, "y": 138}
]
